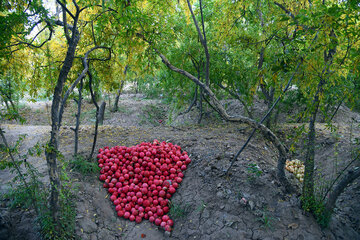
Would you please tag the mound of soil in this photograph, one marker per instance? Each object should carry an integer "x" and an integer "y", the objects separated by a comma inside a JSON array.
[
  {"x": 207, "y": 204},
  {"x": 250, "y": 203}
]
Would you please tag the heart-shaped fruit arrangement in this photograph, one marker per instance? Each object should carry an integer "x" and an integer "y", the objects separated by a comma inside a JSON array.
[{"x": 141, "y": 179}]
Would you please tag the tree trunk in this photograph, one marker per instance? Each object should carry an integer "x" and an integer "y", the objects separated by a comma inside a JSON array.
[
  {"x": 268, "y": 94},
  {"x": 96, "y": 118},
  {"x": 101, "y": 113},
  {"x": 308, "y": 197},
  {"x": 116, "y": 103},
  {"x": 202, "y": 37},
  {"x": 201, "y": 105},
  {"x": 51, "y": 150},
  {"x": 337, "y": 108},
  {"x": 76, "y": 130},
  {"x": 340, "y": 187},
  {"x": 194, "y": 101},
  {"x": 7, "y": 105},
  {"x": 308, "y": 186}
]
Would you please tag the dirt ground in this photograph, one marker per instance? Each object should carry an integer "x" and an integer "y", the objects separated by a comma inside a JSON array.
[{"x": 207, "y": 205}]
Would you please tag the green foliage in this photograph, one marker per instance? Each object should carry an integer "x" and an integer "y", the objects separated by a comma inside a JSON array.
[
  {"x": 202, "y": 206},
  {"x": 151, "y": 87},
  {"x": 153, "y": 114},
  {"x": 124, "y": 109},
  {"x": 317, "y": 207},
  {"x": 237, "y": 33},
  {"x": 21, "y": 197},
  {"x": 253, "y": 171},
  {"x": 82, "y": 165},
  {"x": 179, "y": 210},
  {"x": 266, "y": 219},
  {"x": 33, "y": 194},
  {"x": 67, "y": 212}
]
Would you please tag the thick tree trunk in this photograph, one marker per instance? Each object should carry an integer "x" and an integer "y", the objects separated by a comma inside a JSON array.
[
  {"x": 308, "y": 186},
  {"x": 101, "y": 113},
  {"x": 51, "y": 150},
  {"x": 340, "y": 187}
]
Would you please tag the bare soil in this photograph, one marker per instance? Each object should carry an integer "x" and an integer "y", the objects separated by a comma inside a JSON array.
[{"x": 207, "y": 205}]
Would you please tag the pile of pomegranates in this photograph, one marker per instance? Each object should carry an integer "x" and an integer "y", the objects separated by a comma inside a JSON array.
[{"x": 141, "y": 179}]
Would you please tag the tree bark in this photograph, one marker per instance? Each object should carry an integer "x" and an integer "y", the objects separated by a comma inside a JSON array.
[
  {"x": 93, "y": 98},
  {"x": 202, "y": 37},
  {"x": 76, "y": 130},
  {"x": 57, "y": 108},
  {"x": 194, "y": 101},
  {"x": 80, "y": 77},
  {"x": 308, "y": 186},
  {"x": 337, "y": 108},
  {"x": 51, "y": 150},
  {"x": 201, "y": 105},
  {"x": 340, "y": 187},
  {"x": 101, "y": 113},
  {"x": 116, "y": 103},
  {"x": 268, "y": 94}
]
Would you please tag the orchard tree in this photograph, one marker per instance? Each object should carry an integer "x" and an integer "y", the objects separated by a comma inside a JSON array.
[{"x": 315, "y": 39}]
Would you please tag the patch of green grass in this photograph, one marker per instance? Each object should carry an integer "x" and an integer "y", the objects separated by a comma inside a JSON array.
[
  {"x": 87, "y": 115},
  {"x": 202, "y": 206},
  {"x": 317, "y": 208},
  {"x": 179, "y": 210},
  {"x": 153, "y": 114},
  {"x": 124, "y": 109},
  {"x": 253, "y": 171},
  {"x": 83, "y": 166},
  {"x": 266, "y": 219}
]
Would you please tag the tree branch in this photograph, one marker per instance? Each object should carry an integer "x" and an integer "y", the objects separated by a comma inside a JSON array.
[
  {"x": 287, "y": 12},
  {"x": 238, "y": 97},
  {"x": 29, "y": 44},
  {"x": 80, "y": 77},
  {"x": 340, "y": 187},
  {"x": 66, "y": 31},
  {"x": 217, "y": 105},
  {"x": 65, "y": 8},
  {"x": 93, "y": 33},
  {"x": 202, "y": 40}
]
